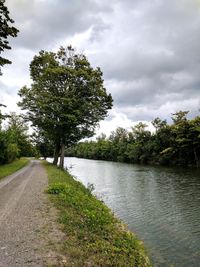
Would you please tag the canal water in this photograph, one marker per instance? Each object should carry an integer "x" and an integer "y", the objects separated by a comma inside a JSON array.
[{"x": 161, "y": 205}]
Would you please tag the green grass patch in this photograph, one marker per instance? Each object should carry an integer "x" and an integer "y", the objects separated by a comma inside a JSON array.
[
  {"x": 94, "y": 236},
  {"x": 10, "y": 168}
]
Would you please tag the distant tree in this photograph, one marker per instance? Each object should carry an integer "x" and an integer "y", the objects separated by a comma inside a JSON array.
[
  {"x": 67, "y": 98},
  {"x": 43, "y": 145},
  {"x": 140, "y": 134},
  {"x": 194, "y": 137},
  {"x": 179, "y": 116},
  {"x": 2, "y": 116},
  {"x": 160, "y": 140},
  {"x": 182, "y": 142},
  {"x": 14, "y": 139},
  {"x": 159, "y": 124},
  {"x": 118, "y": 144},
  {"x": 17, "y": 131},
  {"x": 138, "y": 150},
  {"x": 6, "y": 30}
]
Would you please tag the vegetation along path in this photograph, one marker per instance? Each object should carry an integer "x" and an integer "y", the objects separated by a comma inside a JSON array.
[{"x": 27, "y": 229}]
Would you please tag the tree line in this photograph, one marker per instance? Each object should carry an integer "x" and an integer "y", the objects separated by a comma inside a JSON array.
[{"x": 174, "y": 144}]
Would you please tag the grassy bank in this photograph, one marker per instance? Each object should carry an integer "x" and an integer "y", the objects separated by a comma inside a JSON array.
[
  {"x": 94, "y": 237},
  {"x": 10, "y": 168}
]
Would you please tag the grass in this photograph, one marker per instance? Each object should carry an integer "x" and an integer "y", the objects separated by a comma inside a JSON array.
[
  {"x": 94, "y": 236},
  {"x": 10, "y": 168}
]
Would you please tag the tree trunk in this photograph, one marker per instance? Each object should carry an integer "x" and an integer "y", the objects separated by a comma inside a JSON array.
[
  {"x": 62, "y": 156},
  {"x": 56, "y": 154}
]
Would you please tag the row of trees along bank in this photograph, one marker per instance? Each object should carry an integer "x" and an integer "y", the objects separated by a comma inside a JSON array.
[{"x": 175, "y": 144}]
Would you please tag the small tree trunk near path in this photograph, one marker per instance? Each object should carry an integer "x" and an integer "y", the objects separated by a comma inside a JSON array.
[
  {"x": 56, "y": 154},
  {"x": 62, "y": 156}
]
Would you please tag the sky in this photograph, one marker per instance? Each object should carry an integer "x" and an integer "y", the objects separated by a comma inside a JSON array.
[{"x": 148, "y": 51}]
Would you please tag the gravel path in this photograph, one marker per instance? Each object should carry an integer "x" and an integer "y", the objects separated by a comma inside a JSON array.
[{"x": 27, "y": 221}]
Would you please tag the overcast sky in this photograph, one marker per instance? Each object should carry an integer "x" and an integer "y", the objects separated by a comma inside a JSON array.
[{"x": 148, "y": 50}]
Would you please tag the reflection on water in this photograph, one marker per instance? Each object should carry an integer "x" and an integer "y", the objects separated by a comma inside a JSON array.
[{"x": 161, "y": 205}]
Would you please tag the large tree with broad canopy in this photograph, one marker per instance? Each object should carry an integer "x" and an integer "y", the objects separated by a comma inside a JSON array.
[{"x": 66, "y": 99}]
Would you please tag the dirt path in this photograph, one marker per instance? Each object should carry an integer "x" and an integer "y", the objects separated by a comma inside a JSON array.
[{"x": 27, "y": 223}]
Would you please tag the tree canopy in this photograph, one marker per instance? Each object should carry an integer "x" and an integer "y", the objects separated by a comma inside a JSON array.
[
  {"x": 14, "y": 139},
  {"x": 67, "y": 98},
  {"x": 6, "y": 30}
]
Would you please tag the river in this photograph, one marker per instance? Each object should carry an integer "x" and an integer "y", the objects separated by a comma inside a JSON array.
[{"x": 161, "y": 205}]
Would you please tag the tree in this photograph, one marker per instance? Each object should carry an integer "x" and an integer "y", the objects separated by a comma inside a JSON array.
[
  {"x": 179, "y": 117},
  {"x": 2, "y": 116},
  {"x": 194, "y": 136},
  {"x": 6, "y": 30},
  {"x": 17, "y": 130},
  {"x": 42, "y": 144},
  {"x": 141, "y": 137},
  {"x": 14, "y": 139},
  {"x": 67, "y": 98},
  {"x": 181, "y": 141},
  {"x": 159, "y": 124},
  {"x": 118, "y": 141}
]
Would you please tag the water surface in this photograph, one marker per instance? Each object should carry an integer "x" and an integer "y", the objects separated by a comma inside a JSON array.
[{"x": 161, "y": 205}]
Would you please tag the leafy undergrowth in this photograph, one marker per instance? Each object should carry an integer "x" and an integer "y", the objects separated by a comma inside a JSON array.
[
  {"x": 94, "y": 237},
  {"x": 10, "y": 168}
]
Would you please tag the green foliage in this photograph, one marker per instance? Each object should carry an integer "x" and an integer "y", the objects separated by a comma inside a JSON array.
[
  {"x": 10, "y": 168},
  {"x": 17, "y": 129},
  {"x": 175, "y": 144},
  {"x": 2, "y": 116},
  {"x": 67, "y": 98},
  {"x": 58, "y": 188},
  {"x": 43, "y": 146},
  {"x": 6, "y": 30},
  {"x": 12, "y": 152},
  {"x": 94, "y": 237},
  {"x": 14, "y": 140}
]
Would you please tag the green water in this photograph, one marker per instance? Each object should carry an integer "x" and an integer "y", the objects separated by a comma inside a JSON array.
[{"x": 161, "y": 205}]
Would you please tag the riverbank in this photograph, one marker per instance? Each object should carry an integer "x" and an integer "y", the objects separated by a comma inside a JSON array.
[
  {"x": 94, "y": 237},
  {"x": 12, "y": 167}
]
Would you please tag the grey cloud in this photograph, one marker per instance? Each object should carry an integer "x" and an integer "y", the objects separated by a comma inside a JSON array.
[
  {"x": 152, "y": 94},
  {"x": 148, "y": 113},
  {"x": 156, "y": 60},
  {"x": 98, "y": 30},
  {"x": 148, "y": 50},
  {"x": 134, "y": 64},
  {"x": 43, "y": 23}
]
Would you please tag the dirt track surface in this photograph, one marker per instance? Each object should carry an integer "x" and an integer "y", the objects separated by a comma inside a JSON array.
[{"x": 26, "y": 225}]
